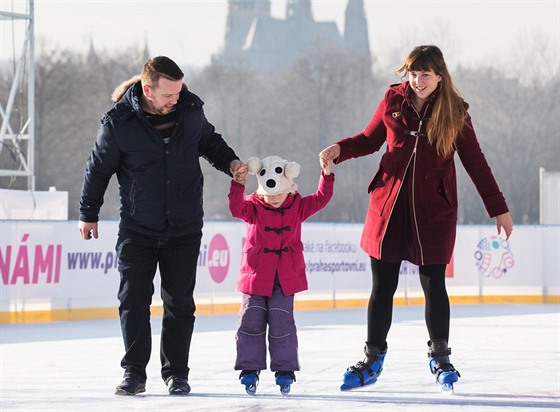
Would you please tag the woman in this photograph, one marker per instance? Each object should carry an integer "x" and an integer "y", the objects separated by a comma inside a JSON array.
[{"x": 412, "y": 213}]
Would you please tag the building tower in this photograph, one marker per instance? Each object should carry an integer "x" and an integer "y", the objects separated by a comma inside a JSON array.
[
  {"x": 298, "y": 9},
  {"x": 264, "y": 43},
  {"x": 355, "y": 28},
  {"x": 241, "y": 14}
]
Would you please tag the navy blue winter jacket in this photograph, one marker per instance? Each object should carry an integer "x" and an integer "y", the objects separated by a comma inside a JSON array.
[{"x": 160, "y": 186}]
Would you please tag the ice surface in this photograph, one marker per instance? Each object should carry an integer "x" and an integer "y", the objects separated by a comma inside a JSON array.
[{"x": 508, "y": 356}]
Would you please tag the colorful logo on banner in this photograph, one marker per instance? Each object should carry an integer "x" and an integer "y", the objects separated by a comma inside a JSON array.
[
  {"x": 218, "y": 258},
  {"x": 493, "y": 257}
]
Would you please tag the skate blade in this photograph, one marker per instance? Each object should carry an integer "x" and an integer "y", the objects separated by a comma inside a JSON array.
[
  {"x": 251, "y": 389},
  {"x": 346, "y": 387},
  {"x": 285, "y": 389},
  {"x": 122, "y": 392},
  {"x": 447, "y": 388},
  {"x": 446, "y": 381}
]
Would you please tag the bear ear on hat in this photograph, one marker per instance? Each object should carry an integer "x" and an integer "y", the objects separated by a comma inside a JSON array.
[
  {"x": 291, "y": 170},
  {"x": 254, "y": 165}
]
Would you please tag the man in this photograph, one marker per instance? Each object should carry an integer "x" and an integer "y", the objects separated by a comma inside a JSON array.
[{"x": 152, "y": 139}]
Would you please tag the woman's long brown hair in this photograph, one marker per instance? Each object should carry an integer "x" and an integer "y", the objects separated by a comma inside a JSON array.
[{"x": 448, "y": 116}]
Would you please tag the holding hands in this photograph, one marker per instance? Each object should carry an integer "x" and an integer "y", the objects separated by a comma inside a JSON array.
[
  {"x": 239, "y": 171},
  {"x": 327, "y": 155}
]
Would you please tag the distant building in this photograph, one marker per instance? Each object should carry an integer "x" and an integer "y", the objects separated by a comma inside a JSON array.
[{"x": 263, "y": 43}]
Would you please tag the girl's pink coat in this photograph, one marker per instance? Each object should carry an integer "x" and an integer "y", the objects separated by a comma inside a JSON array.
[{"x": 273, "y": 242}]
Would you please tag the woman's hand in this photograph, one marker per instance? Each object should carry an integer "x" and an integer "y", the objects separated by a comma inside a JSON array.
[
  {"x": 328, "y": 154},
  {"x": 504, "y": 221}
]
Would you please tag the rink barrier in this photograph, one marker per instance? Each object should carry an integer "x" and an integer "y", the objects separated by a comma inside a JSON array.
[
  {"x": 232, "y": 308},
  {"x": 50, "y": 274}
]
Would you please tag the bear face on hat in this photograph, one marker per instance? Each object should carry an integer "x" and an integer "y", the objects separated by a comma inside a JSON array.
[{"x": 274, "y": 174}]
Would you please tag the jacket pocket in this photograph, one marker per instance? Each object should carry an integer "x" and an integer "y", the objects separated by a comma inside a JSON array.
[
  {"x": 250, "y": 259},
  {"x": 298, "y": 259},
  {"x": 381, "y": 186},
  {"x": 132, "y": 198},
  {"x": 440, "y": 196}
]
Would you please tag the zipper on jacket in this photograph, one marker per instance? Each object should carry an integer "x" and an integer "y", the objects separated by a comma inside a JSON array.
[
  {"x": 413, "y": 185},
  {"x": 133, "y": 198},
  {"x": 413, "y": 198},
  {"x": 412, "y": 156}
]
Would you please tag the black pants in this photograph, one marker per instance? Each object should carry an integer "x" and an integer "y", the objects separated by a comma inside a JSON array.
[
  {"x": 139, "y": 257},
  {"x": 385, "y": 277}
]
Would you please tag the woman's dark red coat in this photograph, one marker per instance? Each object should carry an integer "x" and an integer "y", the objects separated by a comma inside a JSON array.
[{"x": 411, "y": 167}]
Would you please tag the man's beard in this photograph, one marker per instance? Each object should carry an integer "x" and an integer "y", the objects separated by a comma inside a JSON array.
[{"x": 162, "y": 110}]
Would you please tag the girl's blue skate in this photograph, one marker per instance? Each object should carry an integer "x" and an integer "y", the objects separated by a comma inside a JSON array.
[
  {"x": 285, "y": 380},
  {"x": 251, "y": 380},
  {"x": 440, "y": 365},
  {"x": 364, "y": 372}
]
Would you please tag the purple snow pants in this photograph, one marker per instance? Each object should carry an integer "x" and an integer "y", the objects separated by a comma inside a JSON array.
[{"x": 278, "y": 312}]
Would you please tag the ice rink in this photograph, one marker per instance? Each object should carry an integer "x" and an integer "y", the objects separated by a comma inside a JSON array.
[{"x": 508, "y": 357}]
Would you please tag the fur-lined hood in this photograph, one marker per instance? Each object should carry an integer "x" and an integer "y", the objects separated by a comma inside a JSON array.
[
  {"x": 121, "y": 89},
  {"x": 126, "y": 96}
]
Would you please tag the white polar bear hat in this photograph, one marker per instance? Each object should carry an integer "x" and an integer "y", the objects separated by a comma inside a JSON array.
[{"x": 275, "y": 175}]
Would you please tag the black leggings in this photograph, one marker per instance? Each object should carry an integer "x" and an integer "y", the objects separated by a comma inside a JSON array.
[{"x": 385, "y": 279}]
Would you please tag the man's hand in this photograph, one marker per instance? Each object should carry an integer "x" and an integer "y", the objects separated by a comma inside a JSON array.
[
  {"x": 235, "y": 165},
  {"x": 87, "y": 230},
  {"x": 240, "y": 175}
]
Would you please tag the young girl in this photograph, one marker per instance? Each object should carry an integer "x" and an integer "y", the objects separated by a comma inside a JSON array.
[{"x": 272, "y": 266}]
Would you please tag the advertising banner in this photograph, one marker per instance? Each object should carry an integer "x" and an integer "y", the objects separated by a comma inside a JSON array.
[{"x": 45, "y": 265}]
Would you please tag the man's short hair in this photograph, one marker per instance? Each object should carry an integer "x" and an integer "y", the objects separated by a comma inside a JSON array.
[{"x": 159, "y": 67}]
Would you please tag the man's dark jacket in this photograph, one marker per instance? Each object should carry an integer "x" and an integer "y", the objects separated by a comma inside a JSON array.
[{"x": 160, "y": 185}]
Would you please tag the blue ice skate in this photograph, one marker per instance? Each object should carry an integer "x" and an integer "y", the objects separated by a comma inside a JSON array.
[
  {"x": 364, "y": 372},
  {"x": 440, "y": 365},
  {"x": 250, "y": 379},
  {"x": 285, "y": 379}
]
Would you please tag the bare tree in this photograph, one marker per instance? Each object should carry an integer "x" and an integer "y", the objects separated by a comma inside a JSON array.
[{"x": 294, "y": 113}]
